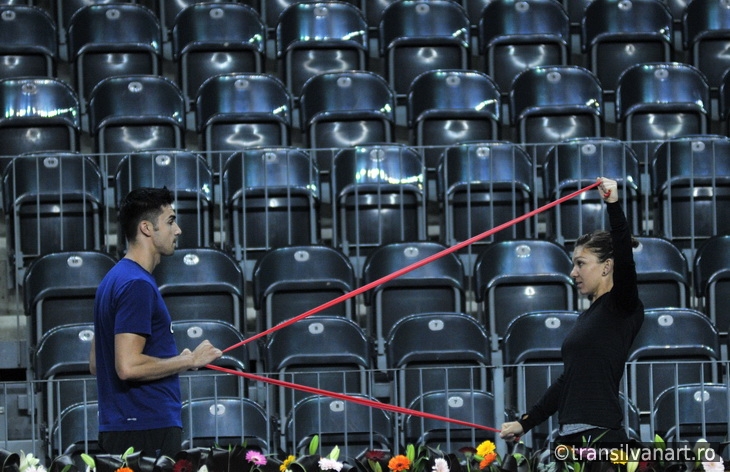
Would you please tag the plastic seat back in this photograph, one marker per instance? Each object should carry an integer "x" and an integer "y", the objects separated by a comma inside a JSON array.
[
  {"x": 663, "y": 273},
  {"x": 207, "y": 382},
  {"x": 28, "y": 42},
  {"x": 237, "y": 111},
  {"x": 326, "y": 352},
  {"x": 53, "y": 202},
  {"x": 378, "y": 197},
  {"x": 520, "y": 276},
  {"x": 532, "y": 344},
  {"x": 515, "y": 35},
  {"x": 272, "y": 198},
  {"x": 344, "y": 109},
  {"x": 38, "y": 114},
  {"x": 433, "y": 351},
  {"x": 204, "y": 34},
  {"x": 573, "y": 164},
  {"x": 325, "y": 36},
  {"x": 674, "y": 345},
  {"x": 446, "y": 107},
  {"x": 202, "y": 283},
  {"x": 59, "y": 288},
  {"x": 129, "y": 113},
  {"x": 76, "y": 430},
  {"x": 436, "y": 286},
  {"x": 711, "y": 273},
  {"x": 483, "y": 184},
  {"x": 471, "y": 406},
  {"x": 660, "y": 101},
  {"x": 352, "y": 427},
  {"x": 189, "y": 178},
  {"x": 416, "y": 36},
  {"x": 106, "y": 40},
  {"x": 618, "y": 34},
  {"x": 289, "y": 281},
  {"x": 691, "y": 185},
  {"x": 705, "y": 35},
  {"x": 223, "y": 422},
  {"x": 685, "y": 413},
  {"x": 553, "y": 103}
]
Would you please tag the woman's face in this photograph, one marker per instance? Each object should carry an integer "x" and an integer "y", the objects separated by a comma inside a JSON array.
[{"x": 588, "y": 273}]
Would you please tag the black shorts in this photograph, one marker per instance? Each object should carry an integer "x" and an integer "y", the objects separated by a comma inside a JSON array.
[{"x": 152, "y": 442}]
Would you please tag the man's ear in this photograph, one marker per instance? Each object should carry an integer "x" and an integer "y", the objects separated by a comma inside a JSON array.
[{"x": 145, "y": 227}]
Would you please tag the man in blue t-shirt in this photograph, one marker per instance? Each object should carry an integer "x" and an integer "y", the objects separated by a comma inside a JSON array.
[{"x": 133, "y": 354}]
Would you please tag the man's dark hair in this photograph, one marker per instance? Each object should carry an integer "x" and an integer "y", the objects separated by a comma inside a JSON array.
[{"x": 142, "y": 204}]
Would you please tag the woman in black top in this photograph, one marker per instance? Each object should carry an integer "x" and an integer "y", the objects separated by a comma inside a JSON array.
[{"x": 595, "y": 351}]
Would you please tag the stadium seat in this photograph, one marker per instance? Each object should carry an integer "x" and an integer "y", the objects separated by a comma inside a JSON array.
[
  {"x": 674, "y": 346},
  {"x": 575, "y": 163},
  {"x": 549, "y": 104},
  {"x": 436, "y": 286},
  {"x": 106, "y": 40},
  {"x": 434, "y": 351},
  {"x": 129, "y": 113},
  {"x": 447, "y": 106},
  {"x": 38, "y": 114},
  {"x": 515, "y": 35},
  {"x": 327, "y": 352},
  {"x": 345, "y": 109},
  {"x": 76, "y": 431},
  {"x": 705, "y": 36},
  {"x": 378, "y": 197},
  {"x": 271, "y": 196},
  {"x": 53, "y": 202},
  {"x": 711, "y": 273},
  {"x": 59, "y": 288},
  {"x": 416, "y": 36},
  {"x": 520, "y": 276},
  {"x": 289, "y": 281},
  {"x": 660, "y": 101},
  {"x": 213, "y": 39},
  {"x": 326, "y": 36},
  {"x": 691, "y": 188},
  {"x": 663, "y": 273},
  {"x": 202, "y": 284},
  {"x": 484, "y": 184},
  {"x": 28, "y": 42},
  {"x": 237, "y": 111},
  {"x": 618, "y": 34}
]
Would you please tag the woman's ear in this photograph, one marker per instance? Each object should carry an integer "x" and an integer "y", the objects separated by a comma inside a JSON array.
[{"x": 608, "y": 266}]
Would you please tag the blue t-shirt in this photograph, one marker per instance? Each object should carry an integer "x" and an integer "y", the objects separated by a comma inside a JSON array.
[{"x": 128, "y": 301}]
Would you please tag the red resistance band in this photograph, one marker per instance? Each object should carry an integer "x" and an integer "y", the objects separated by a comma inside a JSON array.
[{"x": 374, "y": 284}]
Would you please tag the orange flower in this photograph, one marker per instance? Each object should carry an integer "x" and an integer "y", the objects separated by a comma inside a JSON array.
[
  {"x": 399, "y": 463},
  {"x": 488, "y": 459},
  {"x": 124, "y": 469}
]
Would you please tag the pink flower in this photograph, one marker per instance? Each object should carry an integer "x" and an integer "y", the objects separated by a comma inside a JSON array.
[
  {"x": 330, "y": 464},
  {"x": 256, "y": 457},
  {"x": 715, "y": 466}
]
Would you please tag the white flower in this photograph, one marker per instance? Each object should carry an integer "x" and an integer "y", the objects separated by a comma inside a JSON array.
[
  {"x": 440, "y": 465},
  {"x": 330, "y": 464},
  {"x": 715, "y": 466},
  {"x": 27, "y": 462}
]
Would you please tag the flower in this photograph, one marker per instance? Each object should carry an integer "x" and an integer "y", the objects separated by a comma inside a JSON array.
[
  {"x": 255, "y": 457},
  {"x": 440, "y": 465},
  {"x": 326, "y": 463},
  {"x": 714, "y": 466},
  {"x": 399, "y": 463},
  {"x": 487, "y": 460},
  {"x": 486, "y": 448},
  {"x": 183, "y": 465},
  {"x": 287, "y": 463},
  {"x": 27, "y": 462},
  {"x": 124, "y": 469}
]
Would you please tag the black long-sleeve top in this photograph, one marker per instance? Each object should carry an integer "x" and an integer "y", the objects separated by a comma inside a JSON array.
[{"x": 595, "y": 351}]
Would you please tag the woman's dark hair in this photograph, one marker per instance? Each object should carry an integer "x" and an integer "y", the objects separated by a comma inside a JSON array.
[
  {"x": 599, "y": 242},
  {"x": 142, "y": 204}
]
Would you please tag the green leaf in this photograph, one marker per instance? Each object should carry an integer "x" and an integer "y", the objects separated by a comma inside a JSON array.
[
  {"x": 659, "y": 442},
  {"x": 335, "y": 453},
  {"x": 314, "y": 445},
  {"x": 88, "y": 460},
  {"x": 411, "y": 452}
]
